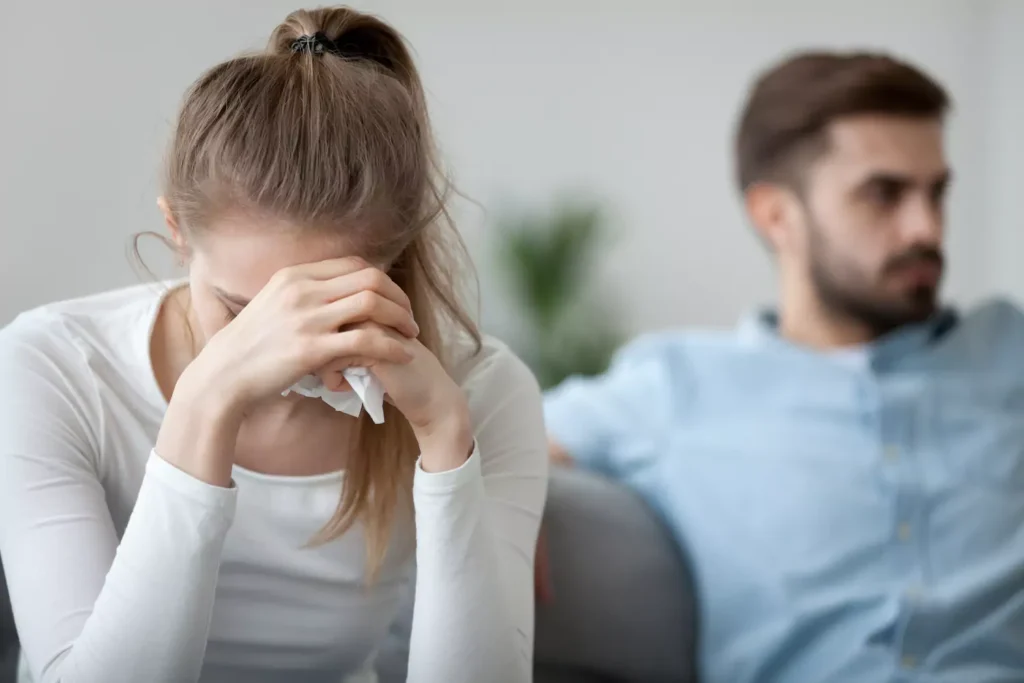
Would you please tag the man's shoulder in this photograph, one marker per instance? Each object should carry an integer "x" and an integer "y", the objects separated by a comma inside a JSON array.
[
  {"x": 993, "y": 315},
  {"x": 989, "y": 334},
  {"x": 988, "y": 326},
  {"x": 680, "y": 346},
  {"x": 681, "y": 342}
]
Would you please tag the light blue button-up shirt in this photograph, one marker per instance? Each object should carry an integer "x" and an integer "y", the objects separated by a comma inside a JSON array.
[{"x": 855, "y": 516}]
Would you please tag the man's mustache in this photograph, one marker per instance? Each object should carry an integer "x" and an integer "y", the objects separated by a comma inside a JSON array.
[{"x": 913, "y": 257}]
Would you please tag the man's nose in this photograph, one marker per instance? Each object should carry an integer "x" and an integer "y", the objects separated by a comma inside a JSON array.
[{"x": 923, "y": 223}]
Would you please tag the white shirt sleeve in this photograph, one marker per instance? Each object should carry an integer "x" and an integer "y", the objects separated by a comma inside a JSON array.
[
  {"x": 91, "y": 609},
  {"x": 476, "y": 534}
]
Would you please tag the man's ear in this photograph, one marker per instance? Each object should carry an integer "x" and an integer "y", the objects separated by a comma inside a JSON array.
[
  {"x": 774, "y": 211},
  {"x": 177, "y": 237}
]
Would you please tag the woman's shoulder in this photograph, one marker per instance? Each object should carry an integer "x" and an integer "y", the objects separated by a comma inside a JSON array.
[
  {"x": 505, "y": 406},
  {"x": 63, "y": 337},
  {"x": 92, "y": 310},
  {"x": 490, "y": 371}
]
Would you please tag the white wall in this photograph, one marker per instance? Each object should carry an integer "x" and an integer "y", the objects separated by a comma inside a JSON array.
[
  {"x": 633, "y": 102},
  {"x": 1003, "y": 147}
]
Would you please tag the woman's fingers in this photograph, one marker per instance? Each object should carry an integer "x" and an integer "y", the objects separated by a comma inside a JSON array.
[
  {"x": 333, "y": 374},
  {"x": 336, "y": 279},
  {"x": 365, "y": 279},
  {"x": 323, "y": 270},
  {"x": 365, "y": 346},
  {"x": 367, "y": 306}
]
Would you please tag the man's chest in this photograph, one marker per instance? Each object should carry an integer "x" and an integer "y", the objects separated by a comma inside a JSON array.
[
  {"x": 859, "y": 480},
  {"x": 932, "y": 435}
]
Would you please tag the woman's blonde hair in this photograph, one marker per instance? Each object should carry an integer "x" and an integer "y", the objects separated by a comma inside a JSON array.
[{"x": 335, "y": 142}]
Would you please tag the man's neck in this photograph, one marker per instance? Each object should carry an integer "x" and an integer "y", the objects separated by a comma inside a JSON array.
[
  {"x": 821, "y": 331},
  {"x": 805, "y": 321}
]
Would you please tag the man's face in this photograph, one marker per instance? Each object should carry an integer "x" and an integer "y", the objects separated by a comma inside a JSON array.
[{"x": 871, "y": 244}]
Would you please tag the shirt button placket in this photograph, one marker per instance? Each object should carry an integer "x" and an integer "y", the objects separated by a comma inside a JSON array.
[{"x": 898, "y": 427}]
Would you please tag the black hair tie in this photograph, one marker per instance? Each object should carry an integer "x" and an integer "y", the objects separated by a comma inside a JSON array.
[
  {"x": 359, "y": 43},
  {"x": 316, "y": 44}
]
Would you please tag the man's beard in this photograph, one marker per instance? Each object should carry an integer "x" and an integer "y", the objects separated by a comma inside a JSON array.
[{"x": 846, "y": 293}]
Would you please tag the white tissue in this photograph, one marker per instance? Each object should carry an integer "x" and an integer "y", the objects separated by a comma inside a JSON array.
[{"x": 366, "y": 392}]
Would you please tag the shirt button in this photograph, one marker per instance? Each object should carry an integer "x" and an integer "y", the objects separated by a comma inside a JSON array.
[
  {"x": 892, "y": 453},
  {"x": 903, "y": 531},
  {"x": 908, "y": 662},
  {"x": 914, "y": 594}
]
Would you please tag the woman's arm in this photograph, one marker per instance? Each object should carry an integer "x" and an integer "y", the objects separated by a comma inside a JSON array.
[
  {"x": 476, "y": 530},
  {"x": 91, "y": 609}
]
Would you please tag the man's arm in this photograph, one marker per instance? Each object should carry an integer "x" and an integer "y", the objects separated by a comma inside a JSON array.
[
  {"x": 592, "y": 422},
  {"x": 559, "y": 455},
  {"x": 542, "y": 584}
]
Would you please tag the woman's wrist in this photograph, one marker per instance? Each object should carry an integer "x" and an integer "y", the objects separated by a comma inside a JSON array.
[
  {"x": 446, "y": 442},
  {"x": 200, "y": 428},
  {"x": 209, "y": 379}
]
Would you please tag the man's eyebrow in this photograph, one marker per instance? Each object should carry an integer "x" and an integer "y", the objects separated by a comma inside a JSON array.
[
  {"x": 886, "y": 177},
  {"x": 239, "y": 301},
  {"x": 942, "y": 178}
]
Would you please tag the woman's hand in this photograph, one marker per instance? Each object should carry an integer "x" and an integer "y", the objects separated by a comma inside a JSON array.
[
  {"x": 430, "y": 400},
  {"x": 321, "y": 318},
  {"x": 303, "y": 319}
]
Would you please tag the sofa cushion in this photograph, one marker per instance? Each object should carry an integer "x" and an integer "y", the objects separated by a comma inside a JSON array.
[{"x": 623, "y": 601}]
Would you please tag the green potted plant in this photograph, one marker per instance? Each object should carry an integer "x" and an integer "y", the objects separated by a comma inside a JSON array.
[{"x": 548, "y": 260}]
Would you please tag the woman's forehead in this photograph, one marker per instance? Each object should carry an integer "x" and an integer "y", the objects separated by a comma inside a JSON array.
[{"x": 241, "y": 258}]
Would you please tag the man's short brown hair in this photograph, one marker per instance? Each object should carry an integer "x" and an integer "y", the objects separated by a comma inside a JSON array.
[{"x": 783, "y": 124}]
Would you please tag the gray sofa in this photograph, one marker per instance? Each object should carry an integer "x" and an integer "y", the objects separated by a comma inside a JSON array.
[
  {"x": 8, "y": 638},
  {"x": 623, "y": 610}
]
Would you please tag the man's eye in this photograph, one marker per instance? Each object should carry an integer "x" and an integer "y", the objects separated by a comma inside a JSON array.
[{"x": 886, "y": 193}]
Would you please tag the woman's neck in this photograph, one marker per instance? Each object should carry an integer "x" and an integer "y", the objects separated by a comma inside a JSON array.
[{"x": 173, "y": 344}]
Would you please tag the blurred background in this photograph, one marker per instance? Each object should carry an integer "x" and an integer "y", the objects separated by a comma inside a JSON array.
[{"x": 592, "y": 139}]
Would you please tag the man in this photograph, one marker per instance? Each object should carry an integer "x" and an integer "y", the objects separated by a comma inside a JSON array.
[{"x": 847, "y": 471}]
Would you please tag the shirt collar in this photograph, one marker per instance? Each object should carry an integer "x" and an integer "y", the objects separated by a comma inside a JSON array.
[{"x": 761, "y": 327}]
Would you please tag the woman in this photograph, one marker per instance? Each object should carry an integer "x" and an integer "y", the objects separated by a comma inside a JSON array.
[{"x": 168, "y": 514}]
